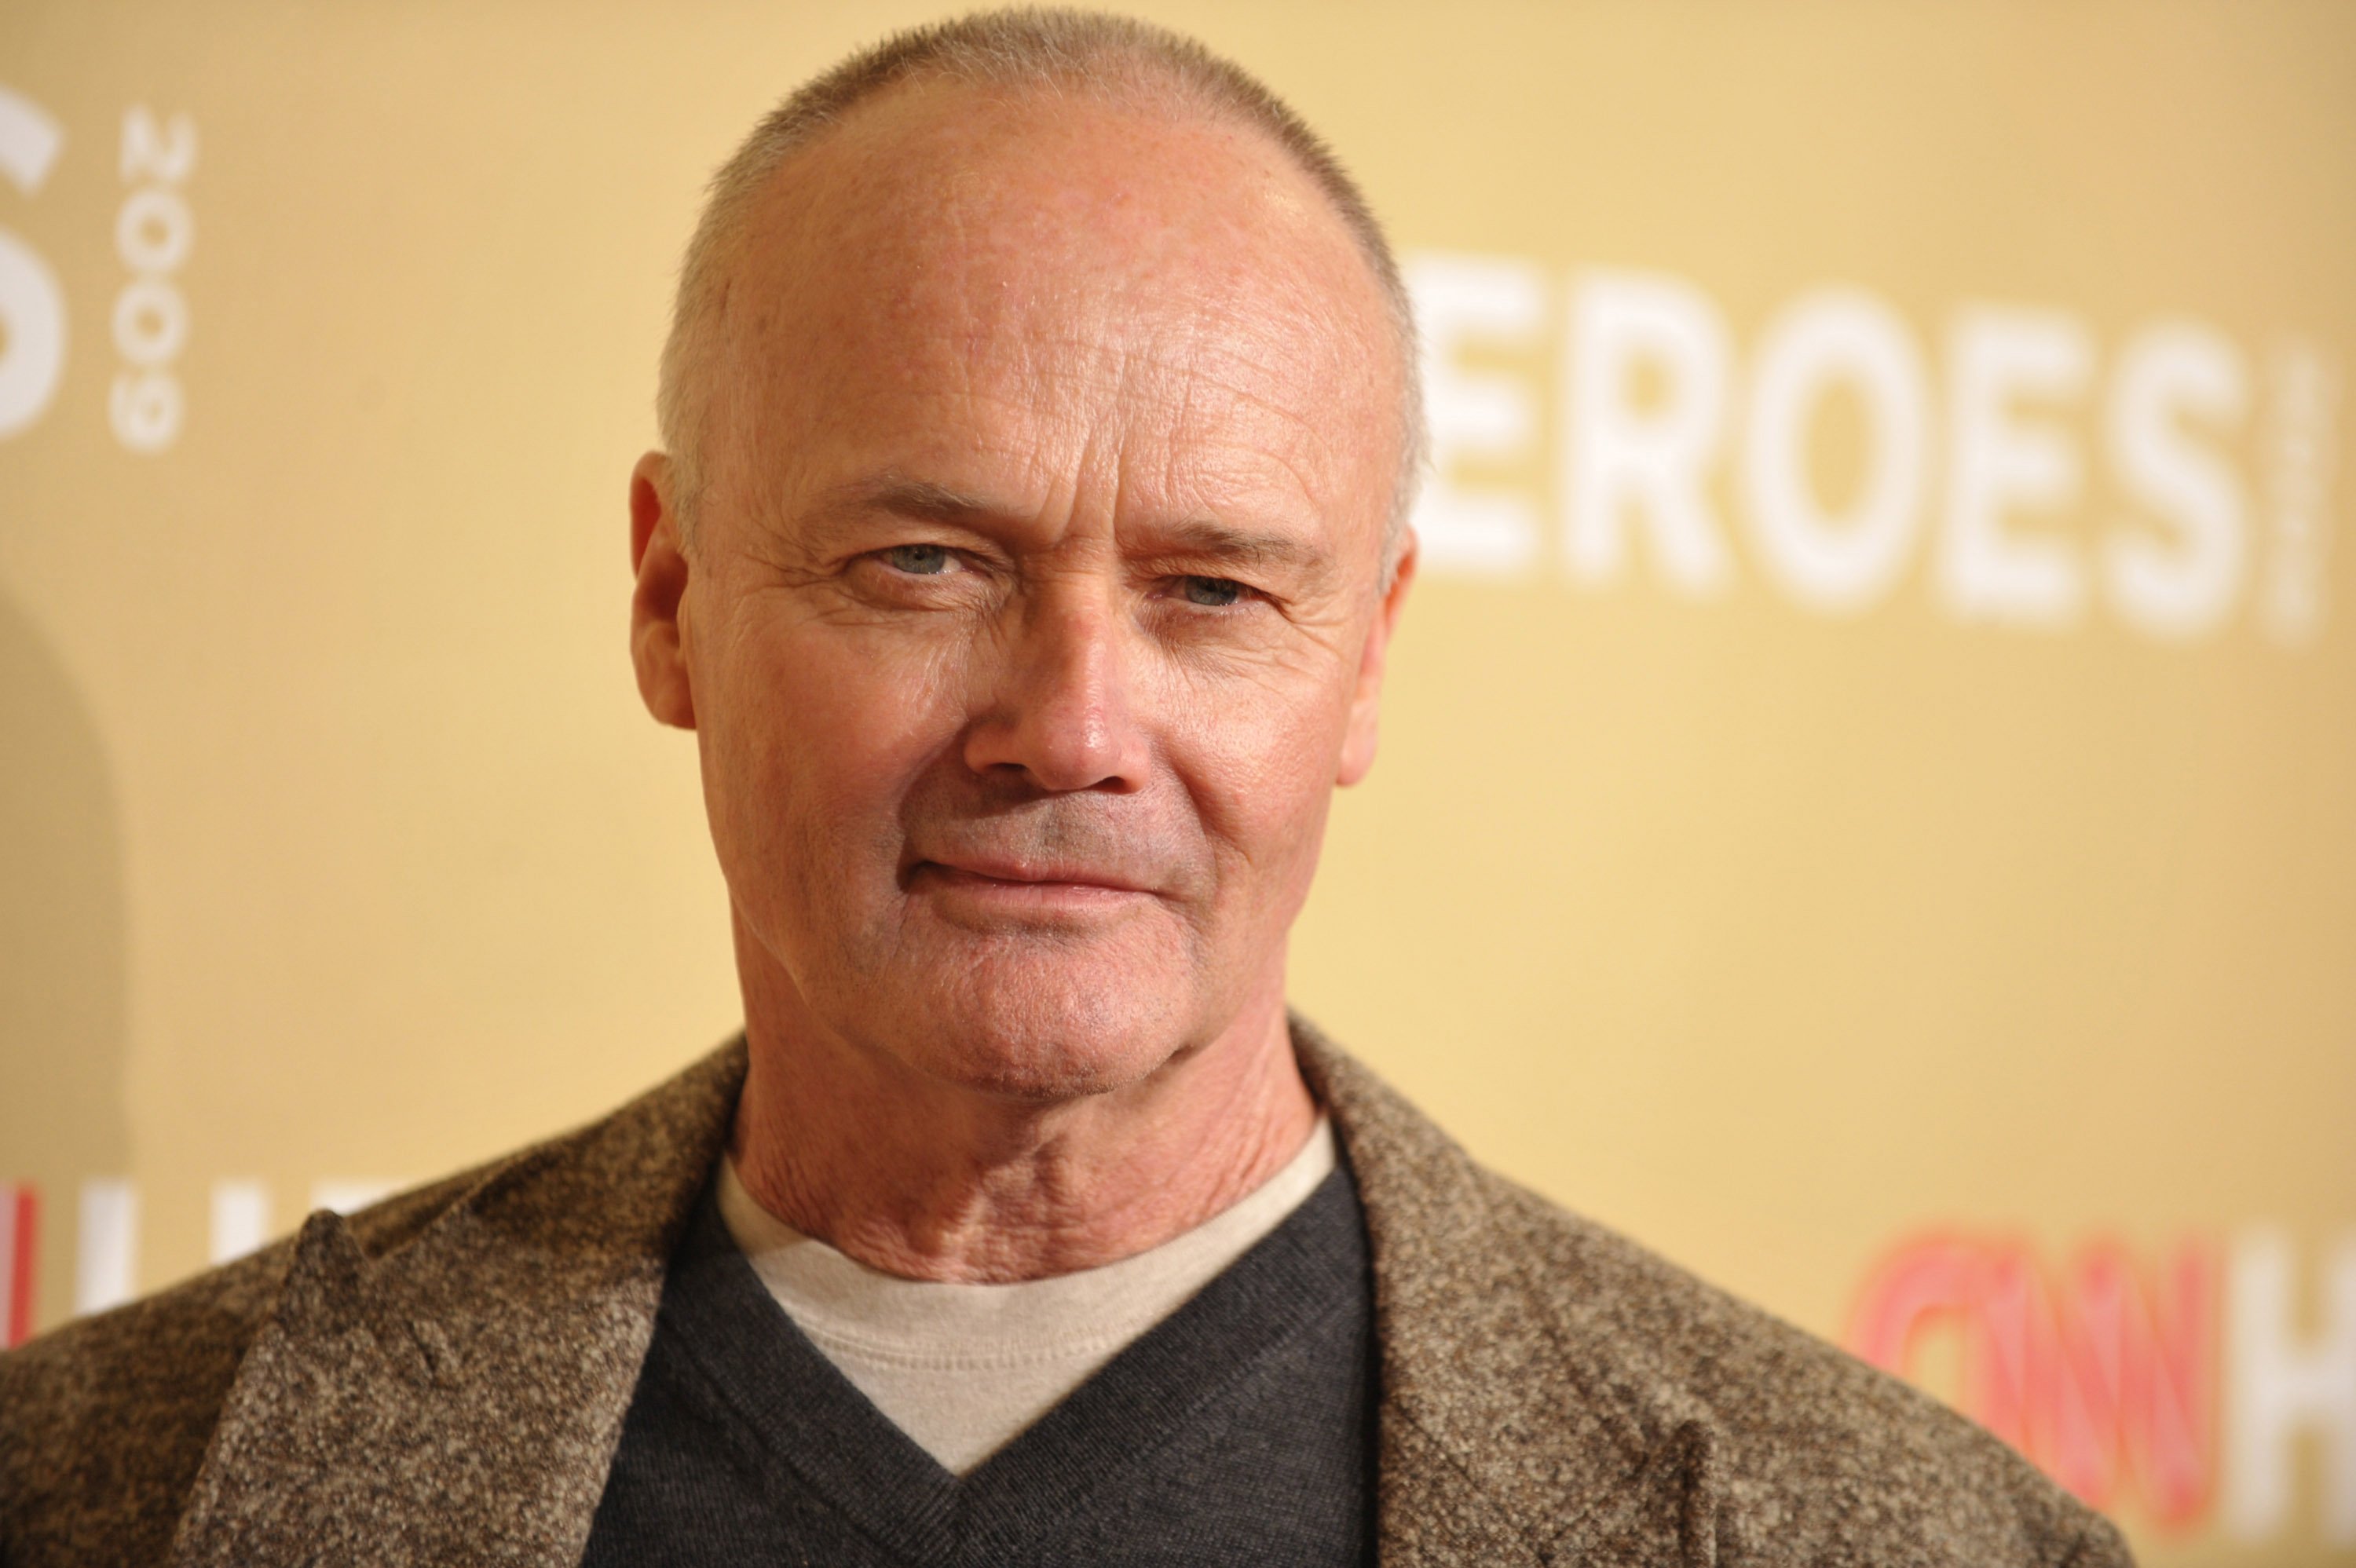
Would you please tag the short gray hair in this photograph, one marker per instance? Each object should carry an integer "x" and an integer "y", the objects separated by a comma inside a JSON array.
[{"x": 1022, "y": 48}]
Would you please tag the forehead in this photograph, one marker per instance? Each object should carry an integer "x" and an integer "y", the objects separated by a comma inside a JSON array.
[{"x": 956, "y": 274}]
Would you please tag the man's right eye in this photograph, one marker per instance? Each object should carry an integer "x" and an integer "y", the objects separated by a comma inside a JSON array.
[{"x": 919, "y": 559}]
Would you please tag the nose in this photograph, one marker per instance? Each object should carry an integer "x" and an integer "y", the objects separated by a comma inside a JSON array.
[{"x": 1062, "y": 712}]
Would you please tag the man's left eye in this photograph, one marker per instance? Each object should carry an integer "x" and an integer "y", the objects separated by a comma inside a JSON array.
[
  {"x": 1213, "y": 592},
  {"x": 919, "y": 559}
]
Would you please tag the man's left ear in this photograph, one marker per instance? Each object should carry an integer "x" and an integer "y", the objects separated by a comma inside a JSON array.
[
  {"x": 659, "y": 559},
  {"x": 1366, "y": 702}
]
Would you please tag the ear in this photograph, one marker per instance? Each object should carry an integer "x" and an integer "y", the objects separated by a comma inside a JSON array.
[
  {"x": 658, "y": 558},
  {"x": 1366, "y": 702}
]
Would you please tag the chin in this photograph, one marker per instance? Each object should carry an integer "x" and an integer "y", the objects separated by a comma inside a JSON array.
[{"x": 1064, "y": 1033}]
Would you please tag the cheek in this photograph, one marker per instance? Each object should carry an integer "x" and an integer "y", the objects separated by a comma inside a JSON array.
[
  {"x": 1260, "y": 762},
  {"x": 815, "y": 740}
]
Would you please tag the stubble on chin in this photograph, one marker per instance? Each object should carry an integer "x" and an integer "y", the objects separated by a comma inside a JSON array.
[{"x": 1030, "y": 1015}]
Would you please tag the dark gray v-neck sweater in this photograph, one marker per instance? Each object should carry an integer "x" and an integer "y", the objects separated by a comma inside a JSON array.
[{"x": 1239, "y": 1431}]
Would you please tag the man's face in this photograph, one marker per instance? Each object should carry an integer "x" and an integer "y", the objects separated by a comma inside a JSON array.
[{"x": 1036, "y": 603}]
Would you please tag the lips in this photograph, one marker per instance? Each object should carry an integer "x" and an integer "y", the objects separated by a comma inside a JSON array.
[{"x": 1016, "y": 873}]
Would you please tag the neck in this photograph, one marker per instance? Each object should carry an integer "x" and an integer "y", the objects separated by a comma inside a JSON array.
[{"x": 931, "y": 1179}]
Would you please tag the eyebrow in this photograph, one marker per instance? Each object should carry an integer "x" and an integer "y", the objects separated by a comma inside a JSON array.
[
  {"x": 1231, "y": 544},
  {"x": 1195, "y": 535},
  {"x": 912, "y": 498}
]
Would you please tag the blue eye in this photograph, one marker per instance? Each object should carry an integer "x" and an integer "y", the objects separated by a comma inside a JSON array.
[
  {"x": 919, "y": 559},
  {"x": 1213, "y": 592}
]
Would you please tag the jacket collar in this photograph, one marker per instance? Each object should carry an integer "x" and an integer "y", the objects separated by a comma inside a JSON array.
[
  {"x": 1518, "y": 1423},
  {"x": 458, "y": 1399}
]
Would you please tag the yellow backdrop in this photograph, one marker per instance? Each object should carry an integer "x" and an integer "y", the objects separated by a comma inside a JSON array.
[{"x": 1869, "y": 803}]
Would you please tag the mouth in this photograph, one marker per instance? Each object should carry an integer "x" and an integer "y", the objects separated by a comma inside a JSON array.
[{"x": 1015, "y": 886}]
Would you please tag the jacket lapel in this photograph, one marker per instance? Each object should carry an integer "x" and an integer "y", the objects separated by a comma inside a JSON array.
[
  {"x": 1512, "y": 1431},
  {"x": 457, "y": 1400}
]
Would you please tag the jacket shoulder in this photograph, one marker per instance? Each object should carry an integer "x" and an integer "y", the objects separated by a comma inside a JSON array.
[
  {"x": 104, "y": 1421},
  {"x": 105, "y": 1425},
  {"x": 1817, "y": 1457}
]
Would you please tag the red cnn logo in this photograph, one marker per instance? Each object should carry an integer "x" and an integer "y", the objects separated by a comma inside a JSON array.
[{"x": 2104, "y": 1373}]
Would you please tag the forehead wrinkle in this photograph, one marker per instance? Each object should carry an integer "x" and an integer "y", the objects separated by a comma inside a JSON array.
[
  {"x": 1115, "y": 393},
  {"x": 1045, "y": 434},
  {"x": 1231, "y": 471},
  {"x": 1109, "y": 386}
]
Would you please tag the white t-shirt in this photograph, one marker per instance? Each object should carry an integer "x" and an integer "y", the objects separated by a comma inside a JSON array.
[{"x": 963, "y": 1369}]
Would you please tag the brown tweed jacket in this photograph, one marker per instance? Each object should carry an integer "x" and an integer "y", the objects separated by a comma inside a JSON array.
[{"x": 441, "y": 1380}]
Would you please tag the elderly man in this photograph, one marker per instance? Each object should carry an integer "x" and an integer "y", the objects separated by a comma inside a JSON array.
[{"x": 1040, "y": 416}]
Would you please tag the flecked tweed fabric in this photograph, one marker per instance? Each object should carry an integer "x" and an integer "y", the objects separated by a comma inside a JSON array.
[
  {"x": 1239, "y": 1430},
  {"x": 442, "y": 1379}
]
